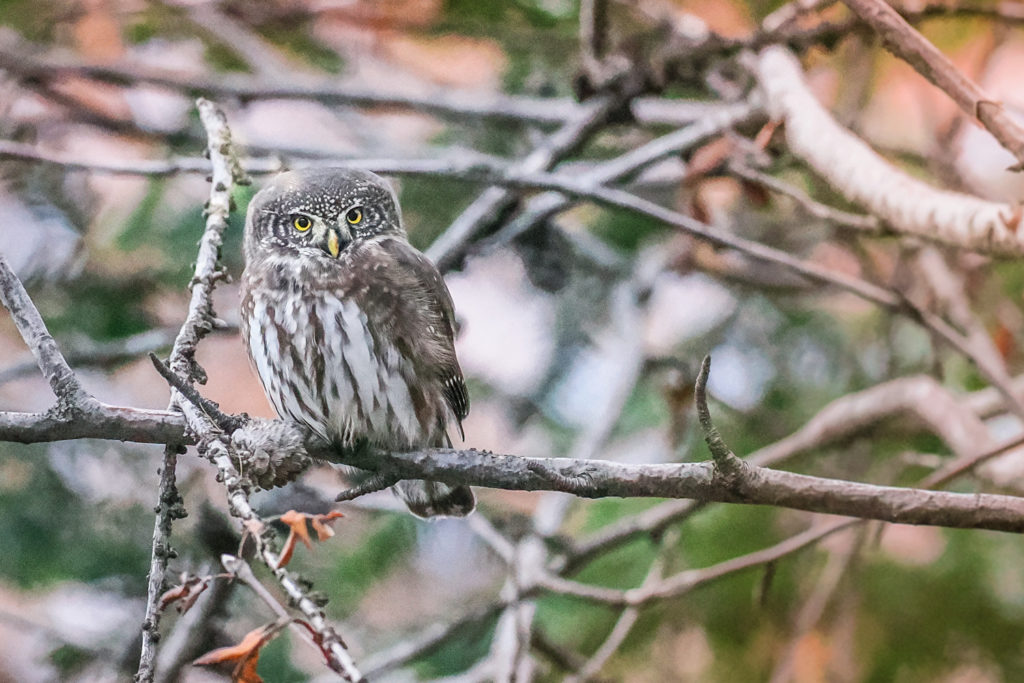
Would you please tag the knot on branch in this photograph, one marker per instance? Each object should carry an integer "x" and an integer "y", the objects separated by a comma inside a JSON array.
[
  {"x": 271, "y": 452},
  {"x": 579, "y": 483}
]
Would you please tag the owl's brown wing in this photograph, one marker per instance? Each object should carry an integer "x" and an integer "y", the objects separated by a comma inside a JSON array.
[{"x": 425, "y": 326}]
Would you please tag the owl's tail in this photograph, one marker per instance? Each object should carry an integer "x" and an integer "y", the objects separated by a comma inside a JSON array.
[{"x": 433, "y": 499}]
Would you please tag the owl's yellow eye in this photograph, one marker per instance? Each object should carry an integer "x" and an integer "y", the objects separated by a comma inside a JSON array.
[
  {"x": 301, "y": 223},
  {"x": 354, "y": 216}
]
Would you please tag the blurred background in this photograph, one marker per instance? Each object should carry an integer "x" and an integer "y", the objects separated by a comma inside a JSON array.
[{"x": 579, "y": 337}]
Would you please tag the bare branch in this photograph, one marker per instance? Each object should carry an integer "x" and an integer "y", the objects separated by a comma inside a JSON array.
[
  {"x": 426, "y": 641},
  {"x": 843, "y": 219},
  {"x": 449, "y": 247},
  {"x": 377, "y": 482},
  {"x": 627, "y": 619},
  {"x": 99, "y": 421},
  {"x": 548, "y": 204},
  {"x": 198, "y": 322},
  {"x": 701, "y": 481},
  {"x": 81, "y": 353},
  {"x": 55, "y": 369},
  {"x": 686, "y": 581},
  {"x": 212, "y": 410},
  {"x": 444, "y": 103},
  {"x": 920, "y": 396}
]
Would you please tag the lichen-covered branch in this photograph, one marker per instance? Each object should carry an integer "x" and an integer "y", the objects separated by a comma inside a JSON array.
[{"x": 198, "y": 322}]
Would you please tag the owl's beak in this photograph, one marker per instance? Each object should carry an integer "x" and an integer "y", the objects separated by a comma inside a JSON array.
[{"x": 336, "y": 241}]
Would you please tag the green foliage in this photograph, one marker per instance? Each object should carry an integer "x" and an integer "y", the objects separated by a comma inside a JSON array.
[
  {"x": 626, "y": 231},
  {"x": 297, "y": 39},
  {"x": 645, "y": 408},
  {"x": 156, "y": 20},
  {"x": 98, "y": 307},
  {"x": 469, "y": 644},
  {"x": 352, "y": 571},
  {"x": 921, "y": 621},
  {"x": 43, "y": 543},
  {"x": 276, "y": 661},
  {"x": 35, "y": 20},
  {"x": 162, "y": 235},
  {"x": 68, "y": 659}
]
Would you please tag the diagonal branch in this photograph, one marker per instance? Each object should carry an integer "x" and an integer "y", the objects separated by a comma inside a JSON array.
[
  {"x": 212, "y": 439},
  {"x": 449, "y": 248},
  {"x": 58, "y": 373},
  {"x": 904, "y": 41}
]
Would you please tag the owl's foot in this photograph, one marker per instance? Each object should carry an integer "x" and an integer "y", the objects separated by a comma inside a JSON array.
[{"x": 433, "y": 499}]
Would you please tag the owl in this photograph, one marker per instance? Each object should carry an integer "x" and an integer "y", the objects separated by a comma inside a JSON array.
[{"x": 349, "y": 327}]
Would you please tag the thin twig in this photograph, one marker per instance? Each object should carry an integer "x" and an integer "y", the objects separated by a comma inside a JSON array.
[
  {"x": 548, "y": 204},
  {"x": 448, "y": 249},
  {"x": 377, "y": 482},
  {"x": 686, "y": 581},
  {"x": 90, "y": 354},
  {"x": 227, "y": 423},
  {"x": 843, "y": 219}
]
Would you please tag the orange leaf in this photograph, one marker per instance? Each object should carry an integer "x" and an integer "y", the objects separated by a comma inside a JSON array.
[
  {"x": 251, "y": 644},
  {"x": 172, "y": 594},
  {"x": 320, "y": 524},
  {"x": 188, "y": 592},
  {"x": 296, "y": 521},
  {"x": 1004, "y": 341},
  {"x": 245, "y": 672},
  {"x": 246, "y": 653}
]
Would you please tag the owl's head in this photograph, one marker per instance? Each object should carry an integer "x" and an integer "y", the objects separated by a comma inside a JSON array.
[{"x": 320, "y": 212}]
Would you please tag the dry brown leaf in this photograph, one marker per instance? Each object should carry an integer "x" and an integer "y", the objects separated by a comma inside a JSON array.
[
  {"x": 321, "y": 524},
  {"x": 1004, "y": 340},
  {"x": 296, "y": 521},
  {"x": 188, "y": 591},
  {"x": 245, "y": 672},
  {"x": 286, "y": 552},
  {"x": 246, "y": 653},
  {"x": 250, "y": 643}
]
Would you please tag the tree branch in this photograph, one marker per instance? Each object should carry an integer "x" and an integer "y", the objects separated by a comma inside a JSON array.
[
  {"x": 701, "y": 481},
  {"x": 55, "y": 369},
  {"x": 182, "y": 364}
]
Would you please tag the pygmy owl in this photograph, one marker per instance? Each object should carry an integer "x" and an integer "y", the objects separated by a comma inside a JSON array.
[{"x": 349, "y": 327}]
